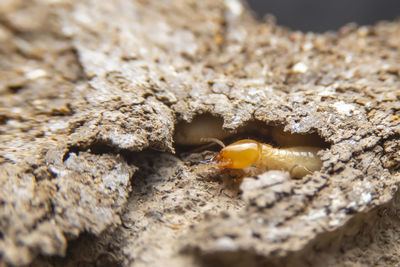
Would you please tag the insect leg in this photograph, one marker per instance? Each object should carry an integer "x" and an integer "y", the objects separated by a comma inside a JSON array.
[
  {"x": 212, "y": 140},
  {"x": 297, "y": 165}
]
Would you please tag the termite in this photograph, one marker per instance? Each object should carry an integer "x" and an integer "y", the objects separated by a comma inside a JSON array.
[{"x": 298, "y": 160}]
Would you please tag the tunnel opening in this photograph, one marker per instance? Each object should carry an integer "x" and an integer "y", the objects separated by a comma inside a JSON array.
[
  {"x": 206, "y": 126},
  {"x": 250, "y": 149}
]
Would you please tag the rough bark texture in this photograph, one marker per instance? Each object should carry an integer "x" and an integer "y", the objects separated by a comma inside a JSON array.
[{"x": 91, "y": 92}]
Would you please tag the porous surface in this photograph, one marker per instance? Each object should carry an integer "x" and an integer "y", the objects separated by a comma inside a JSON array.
[{"x": 90, "y": 94}]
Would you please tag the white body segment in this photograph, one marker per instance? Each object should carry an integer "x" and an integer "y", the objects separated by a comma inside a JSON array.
[{"x": 299, "y": 161}]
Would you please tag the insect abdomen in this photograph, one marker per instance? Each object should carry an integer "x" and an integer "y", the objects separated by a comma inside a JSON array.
[{"x": 299, "y": 161}]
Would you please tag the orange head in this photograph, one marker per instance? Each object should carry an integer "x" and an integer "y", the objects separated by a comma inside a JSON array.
[{"x": 239, "y": 155}]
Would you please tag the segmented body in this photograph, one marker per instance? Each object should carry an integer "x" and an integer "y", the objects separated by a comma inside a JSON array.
[{"x": 299, "y": 161}]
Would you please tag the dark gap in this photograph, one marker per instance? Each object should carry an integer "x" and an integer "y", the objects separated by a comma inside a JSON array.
[
  {"x": 99, "y": 147},
  {"x": 321, "y": 16},
  {"x": 3, "y": 119},
  {"x": 15, "y": 88},
  {"x": 145, "y": 160}
]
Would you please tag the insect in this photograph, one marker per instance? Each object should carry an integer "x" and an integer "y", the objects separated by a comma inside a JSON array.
[{"x": 298, "y": 160}]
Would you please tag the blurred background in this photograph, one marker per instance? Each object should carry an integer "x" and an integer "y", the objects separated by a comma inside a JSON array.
[{"x": 322, "y": 15}]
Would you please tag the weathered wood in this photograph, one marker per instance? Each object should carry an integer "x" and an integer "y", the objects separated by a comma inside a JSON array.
[{"x": 91, "y": 91}]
